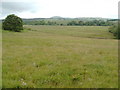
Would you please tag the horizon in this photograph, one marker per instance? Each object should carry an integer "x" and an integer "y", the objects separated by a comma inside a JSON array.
[{"x": 61, "y": 17}]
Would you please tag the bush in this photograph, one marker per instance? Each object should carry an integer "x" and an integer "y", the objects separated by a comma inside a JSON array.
[
  {"x": 12, "y": 23},
  {"x": 115, "y": 29}
]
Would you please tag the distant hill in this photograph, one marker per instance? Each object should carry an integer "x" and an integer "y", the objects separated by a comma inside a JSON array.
[
  {"x": 56, "y": 17},
  {"x": 57, "y": 20},
  {"x": 67, "y": 18},
  {"x": 64, "y": 18}
]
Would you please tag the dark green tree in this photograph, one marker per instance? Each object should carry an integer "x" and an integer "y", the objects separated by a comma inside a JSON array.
[
  {"x": 80, "y": 23},
  {"x": 12, "y": 23}
]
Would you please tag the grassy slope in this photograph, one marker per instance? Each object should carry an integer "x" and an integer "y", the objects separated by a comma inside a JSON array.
[{"x": 54, "y": 56}]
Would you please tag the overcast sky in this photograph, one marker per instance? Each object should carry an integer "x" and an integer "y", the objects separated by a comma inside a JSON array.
[{"x": 63, "y": 8}]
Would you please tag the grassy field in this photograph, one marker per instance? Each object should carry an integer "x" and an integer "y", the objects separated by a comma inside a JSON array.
[{"x": 60, "y": 57}]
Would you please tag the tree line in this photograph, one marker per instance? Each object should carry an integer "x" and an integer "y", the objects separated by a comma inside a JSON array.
[{"x": 70, "y": 23}]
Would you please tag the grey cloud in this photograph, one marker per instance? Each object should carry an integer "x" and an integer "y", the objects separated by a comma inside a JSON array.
[{"x": 18, "y": 7}]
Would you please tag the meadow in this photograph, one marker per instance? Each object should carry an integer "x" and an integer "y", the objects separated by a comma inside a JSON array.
[{"x": 60, "y": 57}]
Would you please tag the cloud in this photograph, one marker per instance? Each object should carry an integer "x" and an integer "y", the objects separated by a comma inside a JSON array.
[
  {"x": 64, "y": 8},
  {"x": 18, "y": 7}
]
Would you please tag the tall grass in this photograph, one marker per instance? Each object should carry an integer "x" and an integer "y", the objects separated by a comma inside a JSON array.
[{"x": 60, "y": 57}]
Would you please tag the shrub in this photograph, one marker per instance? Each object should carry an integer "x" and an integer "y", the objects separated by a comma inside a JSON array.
[
  {"x": 12, "y": 23},
  {"x": 115, "y": 29}
]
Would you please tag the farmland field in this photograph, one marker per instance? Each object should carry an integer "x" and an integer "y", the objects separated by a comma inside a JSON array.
[{"x": 60, "y": 57}]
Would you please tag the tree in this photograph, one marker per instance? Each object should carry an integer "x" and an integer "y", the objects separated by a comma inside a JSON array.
[
  {"x": 81, "y": 23},
  {"x": 12, "y": 23},
  {"x": 72, "y": 23}
]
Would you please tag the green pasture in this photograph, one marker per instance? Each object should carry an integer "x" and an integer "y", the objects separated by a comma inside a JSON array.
[{"x": 60, "y": 57}]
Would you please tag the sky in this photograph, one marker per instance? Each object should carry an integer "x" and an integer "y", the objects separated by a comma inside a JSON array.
[{"x": 63, "y": 8}]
